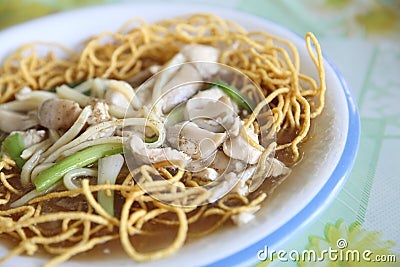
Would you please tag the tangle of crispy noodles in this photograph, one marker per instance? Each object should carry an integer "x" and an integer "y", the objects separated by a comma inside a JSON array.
[{"x": 272, "y": 63}]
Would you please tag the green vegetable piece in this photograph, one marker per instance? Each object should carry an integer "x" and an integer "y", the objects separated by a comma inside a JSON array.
[
  {"x": 151, "y": 139},
  {"x": 235, "y": 95},
  {"x": 2, "y": 137},
  {"x": 13, "y": 146},
  {"x": 71, "y": 85},
  {"x": 108, "y": 170},
  {"x": 176, "y": 115},
  {"x": 107, "y": 202},
  {"x": 78, "y": 160}
]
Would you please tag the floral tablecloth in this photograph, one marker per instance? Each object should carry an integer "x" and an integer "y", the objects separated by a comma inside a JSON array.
[{"x": 362, "y": 37}]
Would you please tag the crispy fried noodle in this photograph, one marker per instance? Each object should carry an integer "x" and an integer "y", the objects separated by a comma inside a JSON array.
[{"x": 72, "y": 121}]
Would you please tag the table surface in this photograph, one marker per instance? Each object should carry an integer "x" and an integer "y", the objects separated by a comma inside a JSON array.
[{"x": 362, "y": 37}]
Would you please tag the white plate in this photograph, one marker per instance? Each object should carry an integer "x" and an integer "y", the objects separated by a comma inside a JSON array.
[{"x": 312, "y": 185}]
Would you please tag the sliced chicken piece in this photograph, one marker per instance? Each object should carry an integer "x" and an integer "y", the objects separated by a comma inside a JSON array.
[
  {"x": 58, "y": 113},
  {"x": 204, "y": 53},
  {"x": 213, "y": 94},
  {"x": 106, "y": 132},
  {"x": 224, "y": 164},
  {"x": 128, "y": 131},
  {"x": 183, "y": 85},
  {"x": 243, "y": 217},
  {"x": 208, "y": 174},
  {"x": 198, "y": 52},
  {"x": 214, "y": 111},
  {"x": 117, "y": 98},
  {"x": 278, "y": 168},
  {"x": 37, "y": 95},
  {"x": 13, "y": 121},
  {"x": 195, "y": 166},
  {"x": 223, "y": 187},
  {"x": 21, "y": 94},
  {"x": 99, "y": 113},
  {"x": 221, "y": 162},
  {"x": 242, "y": 187},
  {"x": 144, "y": 95},
  {"x": 177, "y": 84},
  {"x": 193, "y": 140},
  {"x": 231, "y": 182},
  {"x": 239, "y": 147},
  {"x": 272, "y": 168},
  {"x": 233, "y": 179},
  {"x": 121, "y": 94},
  {"x": 144, "y": 155},
  {"x": 32, "y": 136}
]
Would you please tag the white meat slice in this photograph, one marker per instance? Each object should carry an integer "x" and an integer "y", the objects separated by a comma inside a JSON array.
[
  {"x": 204, "y": 53},
  {"x": 271, "y": 168},
  {"x": 26, "y": 93},
  {"x": 117, "y": 98},
  {"x": 278, "y": 168},
  {"x": 179, "y": 84},
  {"x": 239, "y": 147},
  {"x": 99, "y": 113},
  {"x": 121, "y": 94},
  {"x": 243, "y": 217},
  {"x": 224, "y": 164},
  {"x": 31, "y": 136},
  {"x": 183, "y": 85},
  {"x": 193, "y": 140},
  {"x": 223, "y": 187},
  {"x": 208, "y": 174},
  {"x": 144, "y": 155},
  {"x": 214, "y": 111},
  {"x": 106, "y": 132},
  {"x": 213, "y": 94}
]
